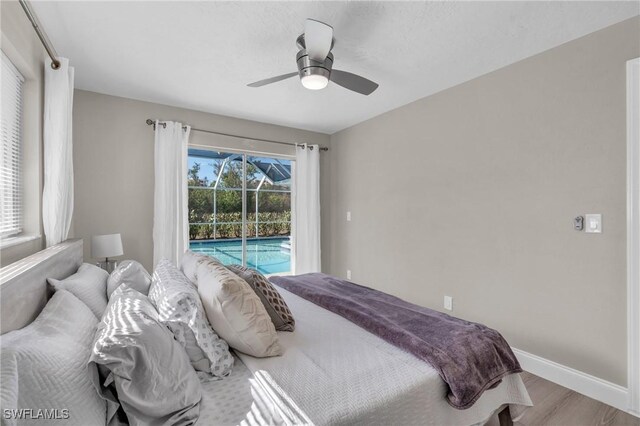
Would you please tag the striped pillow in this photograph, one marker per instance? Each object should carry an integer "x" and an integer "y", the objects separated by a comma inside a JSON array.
[{"x": 273, "y": 302}]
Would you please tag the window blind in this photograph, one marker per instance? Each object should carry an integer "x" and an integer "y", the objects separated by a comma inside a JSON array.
[{"x": 11, "y": 161}]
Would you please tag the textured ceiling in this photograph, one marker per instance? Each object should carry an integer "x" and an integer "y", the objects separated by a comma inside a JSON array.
[{"x": 201, "y": 55}]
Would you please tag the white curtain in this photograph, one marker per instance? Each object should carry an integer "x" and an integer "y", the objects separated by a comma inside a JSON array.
[
  {"x": 57, "y": 197},
  {"x": 307, "y": 209},
  {"x": 170, "y": 203}
]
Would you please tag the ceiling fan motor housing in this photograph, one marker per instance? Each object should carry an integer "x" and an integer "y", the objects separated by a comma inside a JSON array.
[{"x": 307, "y": 66}]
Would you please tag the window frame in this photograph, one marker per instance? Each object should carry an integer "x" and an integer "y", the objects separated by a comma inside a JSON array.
[{"x": 17, "y": 184}]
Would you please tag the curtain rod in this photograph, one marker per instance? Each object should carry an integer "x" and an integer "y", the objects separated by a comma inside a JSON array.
[
  {"x": 55, "y": 63},
  {"x": 151, "y": 122}
]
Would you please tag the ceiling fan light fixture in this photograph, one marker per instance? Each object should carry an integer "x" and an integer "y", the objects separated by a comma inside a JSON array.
[
  {"x": 315, "y": 63},
  {"x": 314, "y": 81}
]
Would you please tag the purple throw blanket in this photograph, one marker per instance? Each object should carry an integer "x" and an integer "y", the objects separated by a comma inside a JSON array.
[{"x": 469, "y": 357}]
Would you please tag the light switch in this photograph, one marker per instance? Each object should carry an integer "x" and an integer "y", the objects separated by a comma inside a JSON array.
[
  {"x": 593, "y": 223},
  {"x": 348, "y": 216},
  {"x": 348, "y": 274}
]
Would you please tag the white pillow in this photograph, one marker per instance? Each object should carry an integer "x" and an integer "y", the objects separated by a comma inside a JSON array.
[
  {"x": 89, "y": 285},
  {"x": 44, "y": 365},
  {"x": 180, "y": 309},
  {"x": 132, "y": 273},
  {"x": 154, "y": 381},
  {"x": 190, "y": 262},
  {"x": 235, "y": 311}
]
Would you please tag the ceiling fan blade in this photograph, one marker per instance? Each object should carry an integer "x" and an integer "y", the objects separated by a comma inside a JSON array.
[
  {"x": 318, "y": 38},
  {"x": 353, "y": 82},
  {"x": 272, "y": 80}
]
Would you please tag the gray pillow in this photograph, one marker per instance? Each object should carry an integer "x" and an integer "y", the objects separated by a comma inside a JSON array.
[
  {"x": 44, "y": 365},
  {"x": 89, "y": 285},
  {"x": 132, "y": 273},
  {"x": 150, "y": 371}
]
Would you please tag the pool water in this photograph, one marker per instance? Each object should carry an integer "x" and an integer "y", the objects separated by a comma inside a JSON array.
[{"x": 264, "y": 254}]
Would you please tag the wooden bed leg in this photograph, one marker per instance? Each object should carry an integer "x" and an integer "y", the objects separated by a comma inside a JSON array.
[{"x": 504, "y": 417}]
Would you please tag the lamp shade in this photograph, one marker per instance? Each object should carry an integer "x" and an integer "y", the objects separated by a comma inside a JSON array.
[{"x": 103, "y": 246}]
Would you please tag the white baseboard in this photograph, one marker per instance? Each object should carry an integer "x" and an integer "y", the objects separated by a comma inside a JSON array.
[{"x": 586, "y": 384}]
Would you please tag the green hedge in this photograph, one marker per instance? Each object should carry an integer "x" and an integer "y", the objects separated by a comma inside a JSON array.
[{"x": 282, "y": 225}]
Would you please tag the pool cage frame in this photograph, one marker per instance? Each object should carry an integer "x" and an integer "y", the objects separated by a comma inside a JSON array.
[{"x": 265, "y": 178}]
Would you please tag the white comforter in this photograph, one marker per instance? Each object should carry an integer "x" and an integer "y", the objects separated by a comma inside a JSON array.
[{"x": 334, "y": 372}]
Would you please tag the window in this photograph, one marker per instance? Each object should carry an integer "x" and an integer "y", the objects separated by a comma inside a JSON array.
[
  {"x": 240, "y": 209},
  {"x": 10, "y": 174}
]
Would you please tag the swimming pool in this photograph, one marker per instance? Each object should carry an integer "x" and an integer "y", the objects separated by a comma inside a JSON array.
[{"x": 264, "y": 254}]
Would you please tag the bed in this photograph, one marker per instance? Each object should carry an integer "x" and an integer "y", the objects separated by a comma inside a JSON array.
[{"x": 331, "y": 371}]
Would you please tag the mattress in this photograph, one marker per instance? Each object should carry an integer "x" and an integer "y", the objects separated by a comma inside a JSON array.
[{"x": 334, "y": 372}]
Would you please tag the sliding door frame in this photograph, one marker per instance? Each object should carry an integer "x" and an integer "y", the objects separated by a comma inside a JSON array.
[
  {"x": 242, "y": 151},
  {"x": 244, "y": 210},
  {"x": 245, "y": 153},
  {"x": 633, "y": 235}
]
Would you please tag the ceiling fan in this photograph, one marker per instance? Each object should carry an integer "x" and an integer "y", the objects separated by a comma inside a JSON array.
[{"x": 315, "y": 63}]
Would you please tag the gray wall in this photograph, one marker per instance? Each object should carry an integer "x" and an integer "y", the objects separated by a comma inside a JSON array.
[
  {"x": 471, "y": 193},
  {"x": 22, "y": 47},
  {"x": 468, "y": 193},
  {"x": 113, "y": 163}
]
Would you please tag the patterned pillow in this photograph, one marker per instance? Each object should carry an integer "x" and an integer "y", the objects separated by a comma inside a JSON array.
[
  {"x": 89, "y": 285},
  {"x": 180, "y": 309},
  {"x": 275, "y": 305}
]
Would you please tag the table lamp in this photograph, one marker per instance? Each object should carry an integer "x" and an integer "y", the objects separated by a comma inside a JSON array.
[{"x": 104, "y": 247}]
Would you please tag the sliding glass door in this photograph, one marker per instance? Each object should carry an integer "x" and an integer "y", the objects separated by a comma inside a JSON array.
[{"x": 240, "y": 209}]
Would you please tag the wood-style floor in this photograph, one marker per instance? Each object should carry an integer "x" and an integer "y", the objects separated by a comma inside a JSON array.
[{"x": 559, "y": 406}]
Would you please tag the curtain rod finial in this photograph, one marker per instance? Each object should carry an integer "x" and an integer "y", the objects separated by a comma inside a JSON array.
[{"x": 149, "y": 122}]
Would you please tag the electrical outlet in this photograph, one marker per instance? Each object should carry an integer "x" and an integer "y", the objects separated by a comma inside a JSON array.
[
  {"x": 348, "y": 216},
  {"x": 593, "y": 223},
  {"x": 348, "y": 274},
  {"x": 448, "y": 303}
]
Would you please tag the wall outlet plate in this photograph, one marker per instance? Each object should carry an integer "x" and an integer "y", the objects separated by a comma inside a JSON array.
[
  {"x": 593, "y": 223},
  {"x": 448, "y": 303},
  {"x": 348, "y": 274}
]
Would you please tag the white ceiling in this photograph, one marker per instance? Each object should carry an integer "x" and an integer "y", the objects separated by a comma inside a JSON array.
[{"x": 201, "y": 55}]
